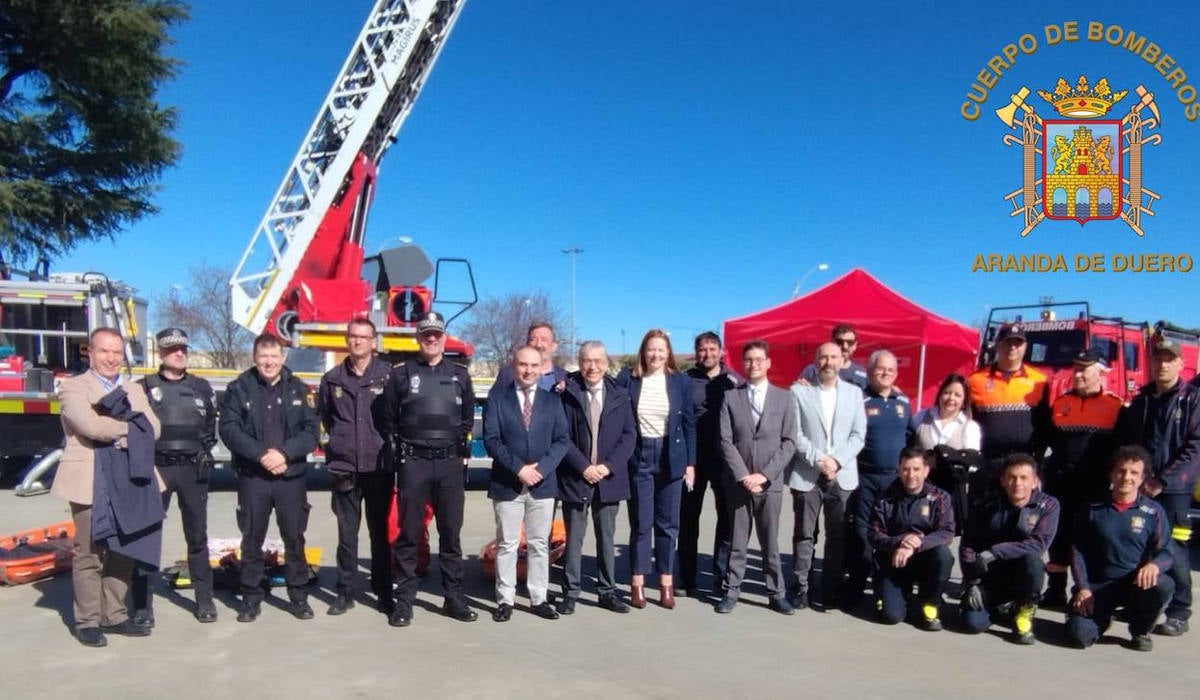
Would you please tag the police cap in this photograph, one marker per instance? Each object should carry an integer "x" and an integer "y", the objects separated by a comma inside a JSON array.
[
  {"x": 432, "y": 322},
  {"x": 171, "y": 338}
]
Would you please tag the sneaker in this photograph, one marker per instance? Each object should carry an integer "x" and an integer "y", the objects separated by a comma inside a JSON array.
[
  {"x": 929, "y": 618},
  {"x": 1022, "y": 625},
  {"x": 1171, "y": 627},
  {"x": 1141, "y": 642}
]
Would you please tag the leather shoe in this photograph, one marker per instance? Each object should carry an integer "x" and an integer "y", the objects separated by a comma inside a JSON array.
[
  {"x": 502, "y": 613},
  {"x": 637, "y": 596},
  {"x": 725, "y": 605},
  {"x": 458, "y": 609},
  {"x": 206, "y": 611},
  {"x": 566, "y": 606},
  {"x": 666, "y": 597},
  {"x": 613, "y": 603},
  {"x": 249, "y": 612},
  {"x": 545, "y": 611},
  {"x": 301, "y": 610},
  {"x": 143, "y": 618},
  {"x": 401, "y": 615},
  {"x": 91, "y": 637},
  {"x": 126, "y": 629},
  {"x": 340, "y": 605},
  {"x": 781, "y": 606}
]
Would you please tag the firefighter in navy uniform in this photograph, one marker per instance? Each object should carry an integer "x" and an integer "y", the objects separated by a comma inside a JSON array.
[
  {"x": 1081, "y": 442},
  {"x": 183, "y": 403},
  {"x": 1120, "y": 558},
  {"x": 349, "y": 400},
  {"x": 1002, "y": 550},
  {"x": 1010, "y": 402},
  {"x": 269, "y": 423},
  {"x": 428, "y": 412}
]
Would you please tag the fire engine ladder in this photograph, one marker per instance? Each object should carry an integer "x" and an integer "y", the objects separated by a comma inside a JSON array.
[
  {"x": 116, "y": 312},
  {"x": 368, "y": 103}
]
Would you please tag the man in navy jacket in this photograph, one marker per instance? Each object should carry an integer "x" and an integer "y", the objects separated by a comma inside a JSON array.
[
  {"x": 525, "y": 433},
  {"x": 595, "y": 473}
]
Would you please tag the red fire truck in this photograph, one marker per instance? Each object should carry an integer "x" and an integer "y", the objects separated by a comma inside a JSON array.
[{"x": 1056, "y": 332}]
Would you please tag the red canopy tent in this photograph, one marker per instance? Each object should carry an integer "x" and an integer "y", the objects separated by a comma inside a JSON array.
[{"x": 927, "y": 346}]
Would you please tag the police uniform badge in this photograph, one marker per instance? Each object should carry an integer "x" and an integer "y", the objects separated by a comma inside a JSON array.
[
  {"x": 414, "y": 383},
  {"x": 1032, "y": 520},
  {"x": 337, "y": 392},
  {"x": 310, "y": 399},
  {"x": 900, "y": 410},
  {"x": 925, "y": 509},
  {"x": 156, "y": 394},
  {"x": 1137, "y": 523},
  {"x": 200, "y": 407},
  {"x": 872, "y": 411}
]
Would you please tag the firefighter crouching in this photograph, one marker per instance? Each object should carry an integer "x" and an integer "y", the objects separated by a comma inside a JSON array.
[
  {"x": 183, "y": 403},
  {"x": 428, "y": 413}
]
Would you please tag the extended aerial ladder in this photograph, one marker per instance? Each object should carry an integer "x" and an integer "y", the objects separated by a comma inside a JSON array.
[{"x": 303, "y": 266}]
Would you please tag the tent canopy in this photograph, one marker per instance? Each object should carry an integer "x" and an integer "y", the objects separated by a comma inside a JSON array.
[{"x": 882, "y": 319}]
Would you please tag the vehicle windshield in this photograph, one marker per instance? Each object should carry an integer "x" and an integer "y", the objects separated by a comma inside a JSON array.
[{"x": 1056, "y": 349}]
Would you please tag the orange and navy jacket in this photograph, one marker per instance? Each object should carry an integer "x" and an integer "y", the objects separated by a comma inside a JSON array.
[
  {"x": 1012, "y": 412},
  {"x": 1081, "y": 440}
]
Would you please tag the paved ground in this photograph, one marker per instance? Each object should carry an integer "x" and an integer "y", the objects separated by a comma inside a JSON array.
[{"x": 653, "y": 653}]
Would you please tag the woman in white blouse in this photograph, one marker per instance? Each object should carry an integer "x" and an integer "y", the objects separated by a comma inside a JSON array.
[
  {"x": 946, "y": 428},
  {"x": 663, "y": 461}
]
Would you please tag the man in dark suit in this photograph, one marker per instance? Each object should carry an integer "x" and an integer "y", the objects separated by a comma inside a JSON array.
[
  {"x": 758, "y": 429},
  {"x": 595, "y": 472},
  {"x": 525, "y": 433}
]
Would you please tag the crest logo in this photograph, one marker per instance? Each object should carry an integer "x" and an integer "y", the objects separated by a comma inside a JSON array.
[{"x": 1090, "y": 168}]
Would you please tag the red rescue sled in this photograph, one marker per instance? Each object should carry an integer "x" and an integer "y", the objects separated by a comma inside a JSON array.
[
  {"x": 558, "y": 547},
  {"x": 36, "y": 554}
]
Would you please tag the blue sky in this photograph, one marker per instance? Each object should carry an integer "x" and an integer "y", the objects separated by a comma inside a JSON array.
[{"x": 704, "y": 155}]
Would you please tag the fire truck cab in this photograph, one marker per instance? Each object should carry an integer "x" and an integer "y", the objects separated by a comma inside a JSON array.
[{"x": 1057, "y": 332}]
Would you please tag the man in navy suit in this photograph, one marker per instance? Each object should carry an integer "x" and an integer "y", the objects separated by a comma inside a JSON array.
[
  {"x": 525, "y": 433},
  {"x": 595, "y": 473}
]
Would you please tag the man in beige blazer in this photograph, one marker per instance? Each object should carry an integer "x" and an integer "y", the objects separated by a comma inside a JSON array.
[{"x": 100, "y": 577}]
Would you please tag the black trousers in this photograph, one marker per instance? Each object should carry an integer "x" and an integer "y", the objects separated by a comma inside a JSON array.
[
  {"x": 288, "y": 497},
  {"x": 350, "y": 495},
  {"x": 1017, "y": 581},
  {"x": 1176, "y": 505},
  {"x": 439, "y": 482},
  {"x": 190, "y": 481},
  {"x": 1141, "y": 607},
  {"x": 929, "y": 570},
  {"x": 860, "y": 560},
  {"x": 689, "y": 527}
]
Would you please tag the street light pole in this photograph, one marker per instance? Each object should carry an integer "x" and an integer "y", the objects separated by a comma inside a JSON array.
[
  {"x": 803, "y": 278},
  {"x": 572, "y": 252}
]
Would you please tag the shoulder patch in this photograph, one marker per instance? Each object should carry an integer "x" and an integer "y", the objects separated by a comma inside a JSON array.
[{"x": 1146, "y": 508}]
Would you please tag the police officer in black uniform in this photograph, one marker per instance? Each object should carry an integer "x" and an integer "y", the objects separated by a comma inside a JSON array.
[
  {"x": 183, "y": 403},
  {"x": 269, "y": 423},
  {"x": 428, "y": 413}
]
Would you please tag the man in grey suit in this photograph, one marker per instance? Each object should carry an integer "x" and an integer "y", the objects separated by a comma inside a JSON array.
[
  {"x": 758, "y": 429},
  {"x": 832, "y": 427}
]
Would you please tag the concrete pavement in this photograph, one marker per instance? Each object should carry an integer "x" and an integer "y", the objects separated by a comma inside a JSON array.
[{"x": 689, "y": 652}]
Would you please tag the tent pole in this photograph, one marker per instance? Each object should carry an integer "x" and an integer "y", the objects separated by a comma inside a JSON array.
[{"x": 921, "y": 376}]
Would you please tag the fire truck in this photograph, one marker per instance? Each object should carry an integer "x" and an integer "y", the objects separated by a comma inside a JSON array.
[
  {"x": 1056, "y": 332},
  {"x": 45, "y": 320},
  {"x": 305, "y": 272}
]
